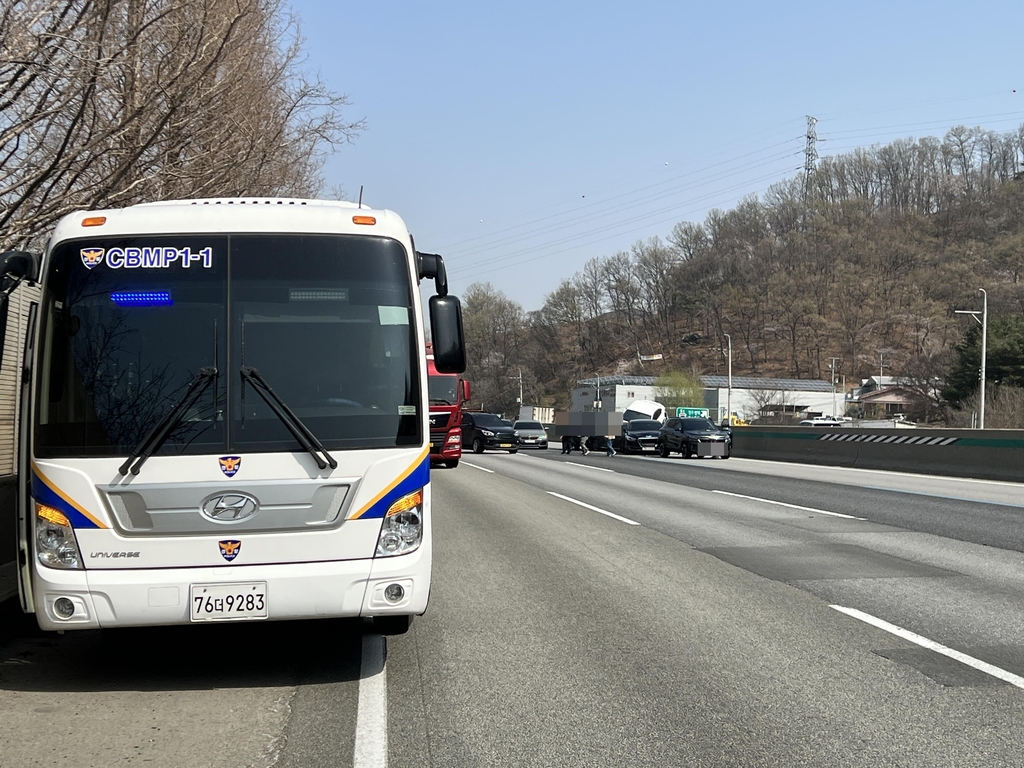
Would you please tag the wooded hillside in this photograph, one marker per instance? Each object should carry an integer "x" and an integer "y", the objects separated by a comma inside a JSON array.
[{"x": 865, "y": 261}]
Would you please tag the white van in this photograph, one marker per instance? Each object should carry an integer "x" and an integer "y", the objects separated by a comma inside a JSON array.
[{"x": 645, "y": 409}]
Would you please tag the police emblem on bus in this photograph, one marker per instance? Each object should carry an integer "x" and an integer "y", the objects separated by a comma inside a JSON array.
[
  {"x": 229, "y": 465},
  {"x": 92, "y": 257},
  {"x": 229, "y": 549}
]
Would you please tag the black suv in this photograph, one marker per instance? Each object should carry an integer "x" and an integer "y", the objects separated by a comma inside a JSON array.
[
  {"x": 481, "y": 431},
  {"x": 694, "y": 437},
  {"x": 638, "y": 436}
]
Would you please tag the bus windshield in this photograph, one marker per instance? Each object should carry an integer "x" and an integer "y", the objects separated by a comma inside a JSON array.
[{"x": 127, "y": 323}]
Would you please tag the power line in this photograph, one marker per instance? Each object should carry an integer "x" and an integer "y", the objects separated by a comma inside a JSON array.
[
  {"x": 637, "y": 203},
  {"x": 454, "y": 275},
  {"x": 454, "y": 250}
]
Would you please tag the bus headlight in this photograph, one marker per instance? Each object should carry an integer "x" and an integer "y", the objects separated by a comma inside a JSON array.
[
  {"x": 401, "y": 531},
  {"x": 56, "y": 546}
]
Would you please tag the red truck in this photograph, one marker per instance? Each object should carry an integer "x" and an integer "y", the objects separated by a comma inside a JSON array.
[{"x": 447, "y": 393}]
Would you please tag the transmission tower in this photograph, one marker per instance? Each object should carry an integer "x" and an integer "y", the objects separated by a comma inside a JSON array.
[{"x": 810, "y": 152}]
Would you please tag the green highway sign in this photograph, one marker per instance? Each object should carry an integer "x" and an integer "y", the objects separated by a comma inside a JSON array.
[{"x": 692, "y": 413}]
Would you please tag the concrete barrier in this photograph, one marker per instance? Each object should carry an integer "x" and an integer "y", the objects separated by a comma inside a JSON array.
[{"x": 985, "y": 454}]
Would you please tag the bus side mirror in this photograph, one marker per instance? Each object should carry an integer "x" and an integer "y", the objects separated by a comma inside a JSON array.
[
  {"x": 465, "y": 390},
  {"x": 19, "y": 265},
  {"x": 446, "y": 334}
]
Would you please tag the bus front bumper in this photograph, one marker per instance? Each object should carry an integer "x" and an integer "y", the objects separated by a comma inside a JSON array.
[{"x": 122, "y": 598}]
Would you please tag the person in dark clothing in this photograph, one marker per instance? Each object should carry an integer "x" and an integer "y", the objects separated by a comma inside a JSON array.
[{"x": 567, "y": 441}]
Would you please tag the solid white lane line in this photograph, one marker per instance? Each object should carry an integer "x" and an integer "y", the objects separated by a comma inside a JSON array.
[
  {"x": 587, "y": 466},
  {"x": 924, "y": 642},
  {"x": 371, "y": 750},
  {"x": 474, "y": 466},
  {"x": 625, "y": 520},
  {"x": 791, "y": 506}
]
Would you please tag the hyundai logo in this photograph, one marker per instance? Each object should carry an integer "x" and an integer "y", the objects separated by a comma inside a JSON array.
[{"x": 229, "y": 507}]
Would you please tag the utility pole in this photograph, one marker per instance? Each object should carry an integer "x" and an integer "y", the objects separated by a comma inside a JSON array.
[
  {"x": 832, "y": 368},
  {"x": 810, "y": 153},
  {"x": 728, "y": 392},
  {"x": 984, "y": 348},
  {"x": 520, "y": 377}
]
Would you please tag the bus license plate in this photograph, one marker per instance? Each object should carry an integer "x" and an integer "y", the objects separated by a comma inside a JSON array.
[{"x": 228, "y": 602}]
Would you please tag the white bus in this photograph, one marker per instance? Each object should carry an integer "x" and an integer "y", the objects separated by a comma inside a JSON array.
[{"x": 223, "y": 415}]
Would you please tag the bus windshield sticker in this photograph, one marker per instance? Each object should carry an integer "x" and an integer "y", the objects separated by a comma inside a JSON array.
[
  {"x": 147, "y": 258},
  {"x": 91, "y": 257},
  {"x": 393, "y": 315}
]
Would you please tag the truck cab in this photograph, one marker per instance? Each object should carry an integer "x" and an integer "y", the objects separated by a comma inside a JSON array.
[{"x": 447, "y": 393}]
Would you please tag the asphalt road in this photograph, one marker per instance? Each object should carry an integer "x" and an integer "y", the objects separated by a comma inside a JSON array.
[{"x": 595, "y": 611}]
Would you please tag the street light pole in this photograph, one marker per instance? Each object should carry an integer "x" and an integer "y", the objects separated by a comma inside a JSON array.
[
  {"x": 832, "y": 368},
  {"x": 728, "y": 392}
]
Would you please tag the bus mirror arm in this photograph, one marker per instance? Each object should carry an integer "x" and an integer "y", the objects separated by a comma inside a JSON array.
[
  {"x": 16, "y": 267},
  {"x": 432, "y": 265},
  {"x": 22, "y": 265}
]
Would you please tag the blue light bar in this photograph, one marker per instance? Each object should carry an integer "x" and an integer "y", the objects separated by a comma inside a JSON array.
[{"x": 142, "y": 298}]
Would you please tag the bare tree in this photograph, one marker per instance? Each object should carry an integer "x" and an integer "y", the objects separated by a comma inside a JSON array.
[{"x": 111, "y": 102}]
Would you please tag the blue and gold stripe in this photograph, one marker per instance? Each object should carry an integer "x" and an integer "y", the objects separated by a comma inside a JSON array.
[
  {"x": 44, "y": 491},
  {"x": 412, "y": 479}
]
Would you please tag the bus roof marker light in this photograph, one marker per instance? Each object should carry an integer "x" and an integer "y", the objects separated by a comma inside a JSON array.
[
  {"x": 364, "y": 219},
  {"x": 94, "y": 221},
  {"x": 142, "y": 298}
]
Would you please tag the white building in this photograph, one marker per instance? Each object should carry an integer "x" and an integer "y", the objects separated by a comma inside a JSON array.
[{"x": 751, "y": 398}]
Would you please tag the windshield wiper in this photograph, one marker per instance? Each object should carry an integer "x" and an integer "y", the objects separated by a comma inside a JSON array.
[
  {"x": 300, "y": 431},
  {"x": 441, "y": 401},
  {"x": 158, "y": 434}
]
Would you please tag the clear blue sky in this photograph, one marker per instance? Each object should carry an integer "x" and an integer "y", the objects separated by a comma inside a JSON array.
[{"x": 521, "y": 140}]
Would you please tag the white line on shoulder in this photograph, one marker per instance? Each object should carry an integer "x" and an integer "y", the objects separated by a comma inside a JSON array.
[
  {"x": 474, "y": 466},
  {"x": 371, "y": 748}
]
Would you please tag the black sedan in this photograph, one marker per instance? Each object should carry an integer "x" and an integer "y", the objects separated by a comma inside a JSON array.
[
  {"x": 693, "y": 437},
  {"x": 638, "y": 436},
  {"x": 486, "y": 431}
]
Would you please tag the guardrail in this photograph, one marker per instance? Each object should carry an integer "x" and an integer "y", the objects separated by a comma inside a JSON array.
[{"x": 985, "y": 454}]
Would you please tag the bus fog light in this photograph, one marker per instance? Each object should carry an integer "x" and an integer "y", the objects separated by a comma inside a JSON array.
[
  {"x": 64, "y": 608},
  {"x": 394, "y": 593}
]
